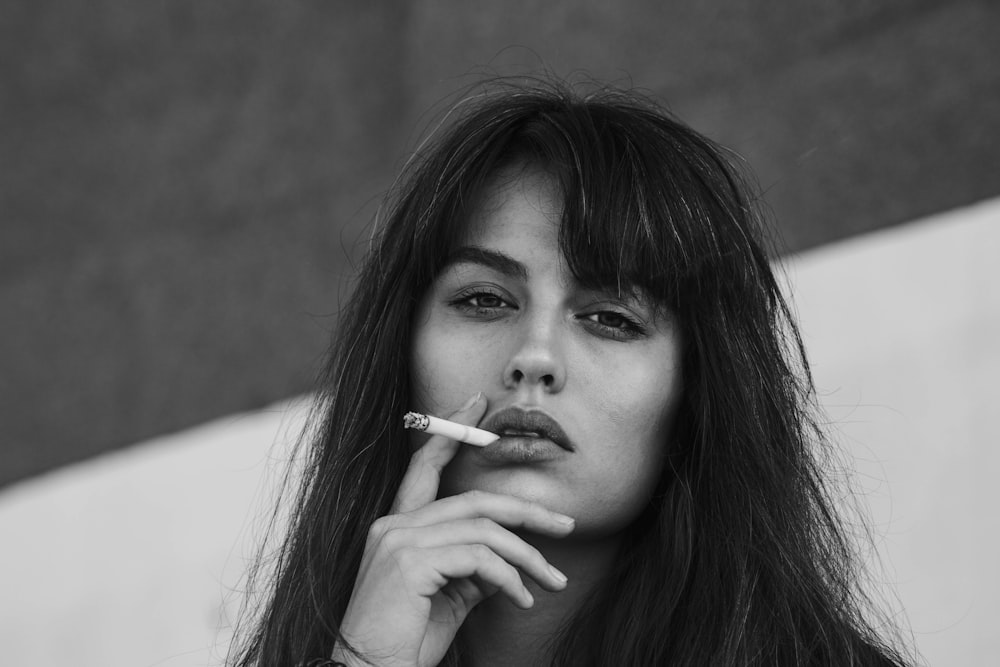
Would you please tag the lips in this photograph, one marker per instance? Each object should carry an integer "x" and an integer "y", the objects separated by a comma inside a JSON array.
[{"x": 520, "y": 423}]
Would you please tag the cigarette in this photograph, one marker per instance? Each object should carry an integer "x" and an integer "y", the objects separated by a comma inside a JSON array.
[{"x": 438, "y": 426}]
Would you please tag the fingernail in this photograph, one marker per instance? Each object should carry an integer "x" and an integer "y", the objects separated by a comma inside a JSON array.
[
  {"x": 472, "y": 401},
  {"x": 557, "y": 575},
  {"x": 563, "y": 519}
]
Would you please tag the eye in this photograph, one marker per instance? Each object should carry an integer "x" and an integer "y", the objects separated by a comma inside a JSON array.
[
  {"x": 613, "y": 320},
  {"x": 485, "y": 300},
  {"x": 481, "y": 302},
  {"x": 613, "y": 324}
]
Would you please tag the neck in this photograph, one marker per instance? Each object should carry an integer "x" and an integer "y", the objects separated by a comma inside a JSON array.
[{"x": 498, "y": 633}]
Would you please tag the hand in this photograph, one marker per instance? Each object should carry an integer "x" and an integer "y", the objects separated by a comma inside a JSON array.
[{"x": 429, "y": 562}]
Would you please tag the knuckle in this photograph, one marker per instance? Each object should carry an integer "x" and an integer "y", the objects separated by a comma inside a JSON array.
[
  {"x": 532, "y": 506},
  {"x": 384, "y": 531},
  {"x": 383, "y": 525},
  {"x": 511, "y": 576},
  {"x": 378, "y": 529},
  {"x": 481, "y": 523},
  {"x": 393, "y": 540},
  {"x": 533, "y": 554},
  {"x": 406, "y": 558},
  {"x": 482, "y": 553},
  {"x": 475, "y": 496}
]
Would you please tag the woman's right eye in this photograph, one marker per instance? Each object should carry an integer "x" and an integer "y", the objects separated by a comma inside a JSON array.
[
  {"x": 486, "y": 301},
  {"x": 480, "y": 302}
]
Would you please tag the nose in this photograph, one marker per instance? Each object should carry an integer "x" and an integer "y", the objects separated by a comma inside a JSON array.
[{"x": 537, "y": 359}]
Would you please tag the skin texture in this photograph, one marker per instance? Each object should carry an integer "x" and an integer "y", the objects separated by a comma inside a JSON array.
[{"x": 538, "y": 340}]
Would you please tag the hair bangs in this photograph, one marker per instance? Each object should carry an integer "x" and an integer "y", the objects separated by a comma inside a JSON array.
[
  {"x": 612, "y": 235},
  {"x": 639, "y": 195},
  {"x": 650, "y": 208}
]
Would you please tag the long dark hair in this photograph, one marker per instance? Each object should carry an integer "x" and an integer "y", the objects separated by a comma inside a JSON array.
[{"x": 740, "y": 558}]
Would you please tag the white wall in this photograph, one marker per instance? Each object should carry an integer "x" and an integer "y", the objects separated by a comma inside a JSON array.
[
  {"x": 127, "y": 560},
  {"x": 904, "y": 330}
]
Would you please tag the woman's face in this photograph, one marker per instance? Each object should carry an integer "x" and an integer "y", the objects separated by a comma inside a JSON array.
[{"x": 582, "y": 384}]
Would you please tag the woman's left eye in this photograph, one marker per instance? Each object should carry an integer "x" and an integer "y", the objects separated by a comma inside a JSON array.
[{"x": 614, "y": 323}]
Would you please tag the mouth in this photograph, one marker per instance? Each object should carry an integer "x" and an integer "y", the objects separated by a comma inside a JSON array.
[{"x": 522, "y": 424}]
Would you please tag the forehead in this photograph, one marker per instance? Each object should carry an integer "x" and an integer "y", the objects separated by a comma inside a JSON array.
[
  {"x": 517, "y": 204},
  {"x": 515, "y": 227}
]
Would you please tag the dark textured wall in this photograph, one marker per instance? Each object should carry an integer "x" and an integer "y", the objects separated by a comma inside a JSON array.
[{"x": 184, "y": 183}]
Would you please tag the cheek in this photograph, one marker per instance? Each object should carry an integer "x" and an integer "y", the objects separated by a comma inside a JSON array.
[
  {"x": 640, "y": 408},
  {"x": 446, "y": 368},
  {"x": 639, "y": 398},
  {"x": 432, "y": 375}
]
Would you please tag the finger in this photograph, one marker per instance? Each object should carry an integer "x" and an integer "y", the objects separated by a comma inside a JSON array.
[
  {"x": 498, "y": 539},
  {"x": 508, "y": 511},
  {"x": 423, "y": 477},
  {"x": 462, "y": 562}
]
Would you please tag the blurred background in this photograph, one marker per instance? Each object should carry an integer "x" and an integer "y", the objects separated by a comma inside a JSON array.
[{"x": 185, "y": 188}]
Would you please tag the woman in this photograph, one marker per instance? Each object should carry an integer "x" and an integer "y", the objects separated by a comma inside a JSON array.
[{"x": 590, "y": 272}]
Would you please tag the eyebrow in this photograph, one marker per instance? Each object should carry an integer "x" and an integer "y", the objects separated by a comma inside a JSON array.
[{"x": 491, "y": 259}]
